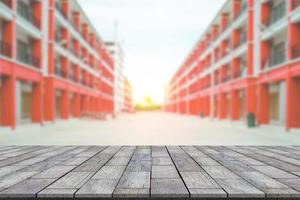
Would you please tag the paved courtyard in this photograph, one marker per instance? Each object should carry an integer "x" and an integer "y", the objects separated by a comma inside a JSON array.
[{"x": 148, "y": 129}]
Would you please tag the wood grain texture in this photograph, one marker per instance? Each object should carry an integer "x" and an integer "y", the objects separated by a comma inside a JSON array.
[{"x": 149, "y": 172}]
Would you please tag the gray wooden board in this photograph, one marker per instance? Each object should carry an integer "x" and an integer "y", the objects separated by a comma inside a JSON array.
[
  {"x": 144, "y": 171},
  {"x": 28, "y": 188}
]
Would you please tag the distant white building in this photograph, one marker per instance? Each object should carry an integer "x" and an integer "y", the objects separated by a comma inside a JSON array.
[{"x": 117, "y": 53}]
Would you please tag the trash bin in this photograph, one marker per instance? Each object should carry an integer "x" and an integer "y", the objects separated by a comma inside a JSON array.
[{"x": 251, "y": 120}]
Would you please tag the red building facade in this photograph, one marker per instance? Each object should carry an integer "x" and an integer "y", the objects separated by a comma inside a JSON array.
[
  {"x": 53, "y": 64},
  {"x": 246, "y": 62}
]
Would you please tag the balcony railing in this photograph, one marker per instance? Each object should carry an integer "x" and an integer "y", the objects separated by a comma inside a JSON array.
[
  {"x": 59, "y": 72},
  {"x": 5, "y": 49},
  {"x": 295, "y": 4},
  {"x": 59, "y": 9},
  {"x": 242, "y": 10},
  {"x": 275, "y": 59},
  {"x": 240, "y": 73},
  {"x": 243, "y": 40},
  {"x": 277, "y": 13},
  {"x": 71, "y": 77},
  {"x": 26, "y": 12},
  {"x": 57, "y": 36},
  {"x": 28, "y": 59},
  {"x": 227, "y": 78},
  {"x": 296, "y": 51},
  {"x": 24, "y": 55},
  {"x": 6, "y": 2}
]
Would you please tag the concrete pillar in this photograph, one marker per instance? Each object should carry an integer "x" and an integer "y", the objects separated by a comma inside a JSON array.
[
  {"x": 292, "y": 99},
  {"x": 76, "y": 111},
  {"x": 37, "y": 103},
  {"x": 263, "y": 107},
  {"x": 8, "y": 102},
  {"x": 235, "y": 105},
  {"x": 222, "y": 106},
  {"x": 49, "y": 99},
  {"x": 65, "y": 105}
]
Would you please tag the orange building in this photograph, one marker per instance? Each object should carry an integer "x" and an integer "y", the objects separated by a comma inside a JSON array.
[
  {"x": 247, "y": 61},
  {"x": 53, "y": 63}
]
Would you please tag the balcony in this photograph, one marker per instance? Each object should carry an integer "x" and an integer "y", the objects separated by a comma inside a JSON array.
[
  {"x": 5, "y": 49},
  {"x": 58, "y": 37},
  {"x": 6, "y": 2},
  {"x": 242, "y": 40},
  {"x": 296, "y": 51},
  {"x": 26, "y": 13},
  {"x": 24, "y": 55},
  {"x": 227, "y": 78},
  {"x": 277, "y": 56},
  {"x": 58, "y": 71},
  {"x": 242, "y": 72},
  {"x": 295, "y": 4},
  {"x": 59, "y": 9},
  {"x": 277, "y": 13},
  {"x": 71, "y": 77},
  {"x": 242, "y": 10}
]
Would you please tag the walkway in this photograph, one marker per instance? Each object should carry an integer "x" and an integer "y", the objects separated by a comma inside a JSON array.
[{"x": 148, "y": 129}]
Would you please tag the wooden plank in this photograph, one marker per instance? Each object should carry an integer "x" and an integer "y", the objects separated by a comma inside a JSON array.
[
  {"x": 207, "y": 193},
  {"x": 261, "y": 181},
  {"x": 274, "y": 172},
  {"x": 168, "y": 188},
  {"x": 75, "y": 161},
  {"x": 9, "y": 169},
  {"x": 200, "y": 158},
  {"x": 238, "y": 188},
  {"x": 104, "y": 182},
  {"x": 135, "y": 181},
  {"x": 220, "y": 172},
  {"x": 72, "y": 180},
  {"x": 269, "y": 160},
  {"x": 182, "y": 161},
  {"x": 198, "y": 180},
  {"x": 164, "y": 161},
  {"x": 56, "y": 193},
  {"x": 26, "y": 189},
  {"x": 291, "y": 182},
  {"x": 164, "y": 172},
  {"x": 14, "y": 178},
  {"x": 102, "y": 188},
  {"x": 97, "y": 161},
  {"x": 110, "y": 172},
  {"x": 54, "y": 172},
  {"x": 119, "y": 160}
]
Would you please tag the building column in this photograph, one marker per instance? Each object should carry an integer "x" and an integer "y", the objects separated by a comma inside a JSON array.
[
  {"x": 37, "y": 103},
  {"x": 51, "y": 37},
  {"x": 263, "y": 107},
  {"x": 292, "y": 99},
  {"x": 222, "y": 106},
  {"x": 8, "y": 99},
  {"x": 235, "y": 105},
  {"x": 250, "y": 37},
  {"x": 251, "y": 97},
  {"x": 216, "y": 106},
  {"x": 64, "y": 104},
  {"x": 76, "y": 110},
  {"x": 49, "y": 102}
]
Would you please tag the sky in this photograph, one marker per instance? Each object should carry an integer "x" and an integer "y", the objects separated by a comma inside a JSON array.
[{"x": 156, "y": 36}]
